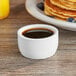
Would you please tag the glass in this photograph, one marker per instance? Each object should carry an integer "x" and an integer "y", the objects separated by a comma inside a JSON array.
[{"x": 4, "y": 8}]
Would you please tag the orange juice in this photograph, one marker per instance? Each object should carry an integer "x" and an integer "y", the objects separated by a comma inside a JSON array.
[{"x": 4, "y": 8}]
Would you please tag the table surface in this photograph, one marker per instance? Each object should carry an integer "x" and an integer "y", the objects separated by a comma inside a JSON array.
[{"x": 12, "y": 63}]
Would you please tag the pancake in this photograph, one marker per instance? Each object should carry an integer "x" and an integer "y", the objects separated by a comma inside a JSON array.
[
  {"x": 64, "y": 5},
  {"x": 56, "y": 14},
  {"x": 68, "y": 4},
  {"x": 72, "y": 0},
  {"x": 54, "y": 8},
  {"x": 50, "y": 14}
]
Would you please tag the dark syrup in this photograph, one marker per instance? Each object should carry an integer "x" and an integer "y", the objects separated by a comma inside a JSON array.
[{"x": 37, "y": 33}]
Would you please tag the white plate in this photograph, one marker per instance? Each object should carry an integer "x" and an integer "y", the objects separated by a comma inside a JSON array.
[{"x": 34, "y": 11}]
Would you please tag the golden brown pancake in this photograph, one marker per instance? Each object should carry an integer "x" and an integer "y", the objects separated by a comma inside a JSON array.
[
  {"x": 56, "y": 16},
  {"x": 64, "y": 4},
  {"x": 72, "y": 0},
  {"x": 53, "y": 13},
  {"x": 58, "y": 12},
  {"x": 68, "y": 4}
]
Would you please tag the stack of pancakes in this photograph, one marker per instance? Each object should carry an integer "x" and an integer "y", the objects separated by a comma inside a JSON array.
[{"x": 61, "y": 9}]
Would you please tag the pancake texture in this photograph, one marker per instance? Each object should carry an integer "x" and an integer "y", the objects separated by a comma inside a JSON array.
[
  {"x": 60, "y": 8},
  {"x": 65, "y": 4}
]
